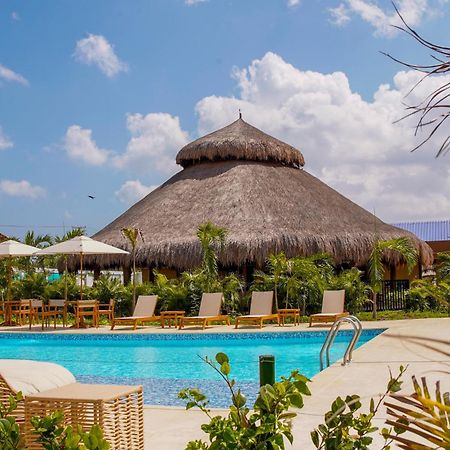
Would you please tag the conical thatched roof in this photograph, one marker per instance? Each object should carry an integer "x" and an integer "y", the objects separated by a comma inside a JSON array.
[
  {"x": 240, "y": 141},
  {"x": 254, "y": 189}
]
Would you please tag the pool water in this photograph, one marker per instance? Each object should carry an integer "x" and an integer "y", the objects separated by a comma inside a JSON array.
[{"x": 167, "y": 363}]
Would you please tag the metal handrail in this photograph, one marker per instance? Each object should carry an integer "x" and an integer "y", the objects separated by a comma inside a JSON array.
[{"x": 357, "y": 330}]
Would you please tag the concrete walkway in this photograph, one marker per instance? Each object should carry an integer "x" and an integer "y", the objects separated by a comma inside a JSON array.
[{"x": 402, "y": 344}]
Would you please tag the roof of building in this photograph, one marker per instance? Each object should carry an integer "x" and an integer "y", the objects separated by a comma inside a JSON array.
[
  {"x": 239, "y": 141},
  {"x": 249, "y": 183},
  {"x": 433, "y": 230}
]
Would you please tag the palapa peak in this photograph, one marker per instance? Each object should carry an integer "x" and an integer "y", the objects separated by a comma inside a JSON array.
[{"x": 239, "y": 141}]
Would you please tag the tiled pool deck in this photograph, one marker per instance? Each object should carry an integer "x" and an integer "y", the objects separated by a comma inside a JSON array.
[{"x": 171, "y": 428}]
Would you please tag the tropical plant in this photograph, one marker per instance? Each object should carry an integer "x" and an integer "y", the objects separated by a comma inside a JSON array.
[
  {"x": 212, "y": 238},
  {"x": 52, "y": 434},
  {"x": 50, "y": 431},
  {"x": 277, "y": 265},
  {"x": 428, "y": 294},
  {"x": 356, "y": 291},
  {"x": 266, "y": 426},
  {"x": 30, "y": 263},
  {"x": 10, "y": 435},
  {"x": 346, "y": 429},
  {"x": 401, "y": 246},
  {"x": 33, "y": 285},
  {"x": 132, "y": 235},
  {"x": 425, "y": 417},
  {"x": 64, "y": 288},
  {"x": 443, "y": 265},
  {"x": 107, "y": 287}
]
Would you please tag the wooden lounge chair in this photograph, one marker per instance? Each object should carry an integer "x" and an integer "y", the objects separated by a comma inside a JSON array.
[
  {"x": 144, "y": 311},
  {"x": 260, "y": 310},
  {"x": 49, "y": 387},
  {"x": 209, "y": 311},
  {"x": 332, "y": 307}
]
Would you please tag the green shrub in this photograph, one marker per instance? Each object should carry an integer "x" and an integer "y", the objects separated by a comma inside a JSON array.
[{"x": 266, "y": 426}]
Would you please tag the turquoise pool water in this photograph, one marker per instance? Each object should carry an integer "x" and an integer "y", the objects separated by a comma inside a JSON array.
[{"x": 165, "y": 364}]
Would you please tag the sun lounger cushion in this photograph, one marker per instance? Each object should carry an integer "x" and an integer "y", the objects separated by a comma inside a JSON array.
[{"x": 34, "y": 376}]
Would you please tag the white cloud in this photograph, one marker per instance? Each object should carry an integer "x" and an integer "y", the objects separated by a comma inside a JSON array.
[
  {"x": 80, "y": 146},
  {"x": 9, "y": 75},
  {"x": 21, "y": 189},
  {"x": 194, "y": 2},
  {"x": 132, "y": 191},
  {"x": 293, "y": 2},
  {"x": 155, "y": 140},
  {"x": 339, "y": 15},
  {"x": 348, "y": 142},
  {"x": 15, "y": 15},
  {"x": 96, "y": 50},
  {"x": 5, "y": 141},
  {"x": 413, "y": 11}
]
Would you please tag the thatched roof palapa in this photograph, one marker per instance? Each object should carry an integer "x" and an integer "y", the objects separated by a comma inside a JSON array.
[{"x": 251, "y": 184}]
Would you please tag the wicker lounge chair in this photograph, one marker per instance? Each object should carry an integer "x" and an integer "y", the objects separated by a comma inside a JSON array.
[
  {"x": 144, "y": 311},
  {"x": 49, "y": 387},
  {"x": 260, "y": 310},
  {"x": 29, "y": 377},
  {"x": 209, "y": 311},
  {"x": 332, "y": 307}
]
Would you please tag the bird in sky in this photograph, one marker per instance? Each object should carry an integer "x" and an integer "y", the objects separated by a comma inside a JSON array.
[{"x": 91, "y": 197}]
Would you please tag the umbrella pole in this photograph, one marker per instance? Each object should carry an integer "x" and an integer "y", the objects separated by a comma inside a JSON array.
[
  {"x": 8, "y": 292},
  {"x": 81, "y": 276},
  {"x": 65, "y": 278}
]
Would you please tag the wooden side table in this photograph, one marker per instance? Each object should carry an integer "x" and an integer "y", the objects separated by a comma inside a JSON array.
[
  {"x": 294, "y": 313},
  {"x": 171, "y": 317}
]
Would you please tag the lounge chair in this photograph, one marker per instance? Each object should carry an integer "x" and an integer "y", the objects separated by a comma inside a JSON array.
[
  {"x": 144, "y": 311},
  {"x": 332, "y": 307},
  {"x": 48, "y": 387},
  {"x": 260, "y": 309},
  {"x": 209, "y": 312}
]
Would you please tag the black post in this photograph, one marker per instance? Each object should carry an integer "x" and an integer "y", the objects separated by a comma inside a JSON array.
[{"x": 266, "y": 370}]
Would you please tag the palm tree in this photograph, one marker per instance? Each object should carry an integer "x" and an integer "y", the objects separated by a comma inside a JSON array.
[
  {"x": 406, "y": 250},
  {"x": 132, "y": 235},
  {"x": 38, "y": 241},
  {"x": 210, "y": 237},
  {"x": 278, "y": 264}
]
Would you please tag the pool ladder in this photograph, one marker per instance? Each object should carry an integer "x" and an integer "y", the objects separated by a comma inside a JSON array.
[{"x": 357, "y": 329}]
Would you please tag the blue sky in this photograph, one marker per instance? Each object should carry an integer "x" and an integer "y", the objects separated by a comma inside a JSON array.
[{"x": 96, "y": 97}]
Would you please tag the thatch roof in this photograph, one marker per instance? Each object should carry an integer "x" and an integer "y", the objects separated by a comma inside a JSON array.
[
  {"x": 240, "y": 141},
  {"x": 265, "y": 206}
]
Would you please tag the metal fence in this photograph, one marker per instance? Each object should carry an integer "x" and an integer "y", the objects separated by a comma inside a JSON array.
[{"x": 392, "y": 296}]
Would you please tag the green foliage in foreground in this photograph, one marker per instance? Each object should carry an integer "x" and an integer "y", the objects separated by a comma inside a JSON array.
[
  {"x": 269, "y": 425},
  {"x": 265, "y": 427},
  {"x": 50, "y": 431}
]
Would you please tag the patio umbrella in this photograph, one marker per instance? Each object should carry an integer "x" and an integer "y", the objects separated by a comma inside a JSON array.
[
  {"x": 12, "y": 249},
  {"x": 81, "y": 245}
]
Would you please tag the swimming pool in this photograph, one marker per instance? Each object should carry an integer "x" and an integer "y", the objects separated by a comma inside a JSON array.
[{"x": 167, "y": 363}]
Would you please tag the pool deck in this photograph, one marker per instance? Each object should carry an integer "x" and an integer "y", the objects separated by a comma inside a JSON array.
[{"x": 171, "y": 428}]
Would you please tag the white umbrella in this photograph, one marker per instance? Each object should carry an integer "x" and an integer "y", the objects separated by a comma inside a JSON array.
[
  {"x": 81, "y": 245},
  {"x": 11, "y": 249}
]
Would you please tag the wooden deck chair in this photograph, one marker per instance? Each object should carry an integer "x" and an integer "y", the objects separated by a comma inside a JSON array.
[
  {"x": 260, "y": 309},
  {"x": 144, "y": 311},
  {"x": 332, "y": 307},
  {"x": 210, "y": 307},
  {"x": 48, "y": 387}
]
